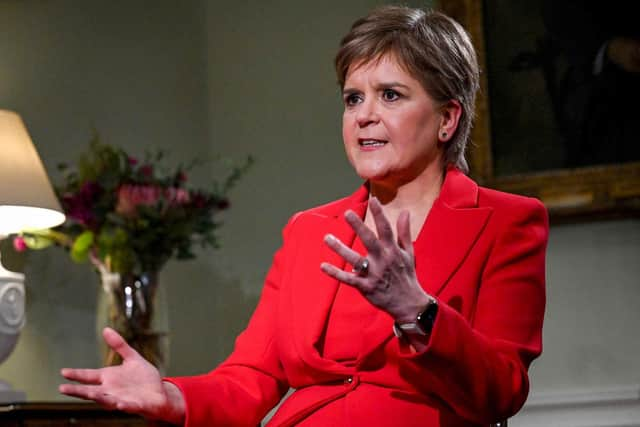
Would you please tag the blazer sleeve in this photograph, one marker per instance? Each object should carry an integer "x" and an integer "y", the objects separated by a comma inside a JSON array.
[
  {"x": 478, "y": 367},
  {"x": 251, "y": 381}
]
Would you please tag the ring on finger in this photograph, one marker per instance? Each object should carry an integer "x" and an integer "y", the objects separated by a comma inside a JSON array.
[{"x": 361, "y": 267}]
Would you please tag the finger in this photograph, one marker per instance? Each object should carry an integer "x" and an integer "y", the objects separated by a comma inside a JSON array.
[
  {"x": 341, "y": 275},
  {"x": 116, "y": 342},
  {"x": 383, "y": 226},
  {"x": 85, "y": 376},
  {"x": 348, "y": 254},
  {"x": 78, "y": 390},
  {"x": 89, "y": 393},
  {"x": 404, "y": 232},
  {"x": 367, "y": 236}
]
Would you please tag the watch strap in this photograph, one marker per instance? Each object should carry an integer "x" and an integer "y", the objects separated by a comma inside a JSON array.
[{"x": 423, "y": 324}]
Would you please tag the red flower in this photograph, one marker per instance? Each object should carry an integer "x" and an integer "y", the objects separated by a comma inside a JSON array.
[
  {"x": 146, "y": 171},
  {"x": 223, "y": 204},
  {"x": 19, "y": 244},
  {"x": 79, "y": 206},
  {"x": 199, "y": 200}
]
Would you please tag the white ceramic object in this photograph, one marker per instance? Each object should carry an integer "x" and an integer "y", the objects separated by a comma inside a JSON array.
[{"x": 12, "y": 320}]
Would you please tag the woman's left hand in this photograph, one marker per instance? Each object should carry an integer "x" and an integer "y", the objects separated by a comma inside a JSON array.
[{"x": 389, "y": 282}]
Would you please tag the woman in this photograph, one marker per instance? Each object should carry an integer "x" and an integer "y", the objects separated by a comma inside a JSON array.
[{"x": 416, "y": 301}]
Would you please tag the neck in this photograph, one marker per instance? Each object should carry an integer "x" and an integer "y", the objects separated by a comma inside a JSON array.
[{"x": 416, "y": 196}]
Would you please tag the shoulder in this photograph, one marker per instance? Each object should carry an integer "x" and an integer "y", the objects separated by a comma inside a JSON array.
[
  {"x": 515, "y": 211},
  {"x": 333, "y": 208},
  {"x": 506, "y": 201},
  {"x": 336, "y": 208},
  {"x": 460, "y": 191}
]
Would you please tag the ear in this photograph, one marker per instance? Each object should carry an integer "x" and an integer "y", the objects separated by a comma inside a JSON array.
[{"x": 450, "y": 116}]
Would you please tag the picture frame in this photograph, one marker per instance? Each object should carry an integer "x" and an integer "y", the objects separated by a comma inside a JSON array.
[{"x": 590, "y": 192}]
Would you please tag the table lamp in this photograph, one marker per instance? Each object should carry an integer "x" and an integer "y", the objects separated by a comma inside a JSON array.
[{"x": 27, "y": 202}]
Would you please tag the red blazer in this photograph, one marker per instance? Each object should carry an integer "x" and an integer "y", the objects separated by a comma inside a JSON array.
[{"x": 480, "y": 253}]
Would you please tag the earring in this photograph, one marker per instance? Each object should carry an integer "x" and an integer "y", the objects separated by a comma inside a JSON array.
[{"x": 444, "y": 134}]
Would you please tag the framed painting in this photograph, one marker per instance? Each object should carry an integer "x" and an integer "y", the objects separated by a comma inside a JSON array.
[{"x": 556, "y": 118}]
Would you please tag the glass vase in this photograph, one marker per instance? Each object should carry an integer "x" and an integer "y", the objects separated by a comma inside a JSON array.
[{"x": 135, "y": 306}]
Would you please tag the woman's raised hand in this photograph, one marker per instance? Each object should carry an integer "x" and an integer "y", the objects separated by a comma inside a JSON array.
[
  {"x": 389, "y": 281},
  {"x": 134, "y": 386}
]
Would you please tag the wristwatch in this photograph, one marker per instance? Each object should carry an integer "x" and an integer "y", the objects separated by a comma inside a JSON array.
[{"x": 423, "y": 324}]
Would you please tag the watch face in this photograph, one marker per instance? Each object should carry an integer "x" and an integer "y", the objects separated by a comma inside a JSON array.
[
  {"x": 423, "y": 324},
  {"x": 427, "y": 318}
]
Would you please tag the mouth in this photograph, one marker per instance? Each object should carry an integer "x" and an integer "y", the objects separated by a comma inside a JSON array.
[{"x": 371, "y": 143}]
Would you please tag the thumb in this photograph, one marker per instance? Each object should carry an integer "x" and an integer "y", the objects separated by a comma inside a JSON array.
[
  {"x": 404, "y": 232},
  {"x": 117, "y": 343}
]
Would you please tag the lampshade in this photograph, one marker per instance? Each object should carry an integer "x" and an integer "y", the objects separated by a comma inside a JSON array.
[{"x": 27, "y": 200}]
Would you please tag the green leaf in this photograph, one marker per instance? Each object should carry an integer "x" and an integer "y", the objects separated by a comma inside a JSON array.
[
  {"x": 81, "y": 246},
  {"x": 36, "y": 242},
  {"x": 40, "y": 239}
]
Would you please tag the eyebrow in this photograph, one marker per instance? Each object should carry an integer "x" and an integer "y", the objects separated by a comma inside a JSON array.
[
  {"x": 383, "y": 85},
  {"x": 391, "y": 84}
]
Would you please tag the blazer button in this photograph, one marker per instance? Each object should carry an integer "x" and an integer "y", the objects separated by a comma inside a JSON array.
[{"x": 352, "y": 382}]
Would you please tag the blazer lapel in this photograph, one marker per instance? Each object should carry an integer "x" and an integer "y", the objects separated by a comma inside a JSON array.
[
  {"x": 445, "y": 240},
  {"x": 453, "y": 226},
  {"x": 312, "y": 302}
]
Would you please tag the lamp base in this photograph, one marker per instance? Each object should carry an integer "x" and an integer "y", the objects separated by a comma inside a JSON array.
[
  {"x": 12, "y": 318},
  {"x": 9, "y": 395}
]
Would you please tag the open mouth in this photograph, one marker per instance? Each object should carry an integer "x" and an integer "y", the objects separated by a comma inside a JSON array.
[{"x": 371, "y": 143}]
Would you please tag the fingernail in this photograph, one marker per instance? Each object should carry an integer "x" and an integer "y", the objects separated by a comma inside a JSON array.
[{"x": 329, "y": 238}]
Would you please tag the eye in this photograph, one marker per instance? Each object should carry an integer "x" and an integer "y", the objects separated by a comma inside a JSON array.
[
  {"x": 351, "y": 99},
  {"x": 390, "y": 95}
]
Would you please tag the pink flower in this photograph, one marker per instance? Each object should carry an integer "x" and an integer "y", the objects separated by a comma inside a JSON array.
[
  {"x": 177, "y": 196},
  {"x": 19, "y": 244},
  {"x": 132, "y": 161},
  {"x": 131, "y": 196}
]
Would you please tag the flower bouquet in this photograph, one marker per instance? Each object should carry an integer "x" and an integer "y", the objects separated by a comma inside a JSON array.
[{"x": 128, "y": 217}]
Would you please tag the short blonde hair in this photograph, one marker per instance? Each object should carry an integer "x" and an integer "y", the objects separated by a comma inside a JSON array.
[{"x": 432, "y": 47}]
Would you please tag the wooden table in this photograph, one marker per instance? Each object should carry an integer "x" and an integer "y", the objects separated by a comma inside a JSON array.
[{"x": 67, "y": 414}]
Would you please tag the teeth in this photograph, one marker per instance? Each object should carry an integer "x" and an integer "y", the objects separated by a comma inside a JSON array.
[{"x": 371, "y": 142}]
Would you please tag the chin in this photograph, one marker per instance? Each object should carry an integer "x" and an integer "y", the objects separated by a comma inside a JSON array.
[
  {"x": 377, "y": 177},
  {"x": 369, "y": 169}
]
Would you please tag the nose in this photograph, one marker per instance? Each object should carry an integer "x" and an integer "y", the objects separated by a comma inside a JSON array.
[{"x": 367, "y": 113}]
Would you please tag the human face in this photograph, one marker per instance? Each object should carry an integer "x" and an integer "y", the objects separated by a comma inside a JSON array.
[{"x": 390, "y": 123}]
